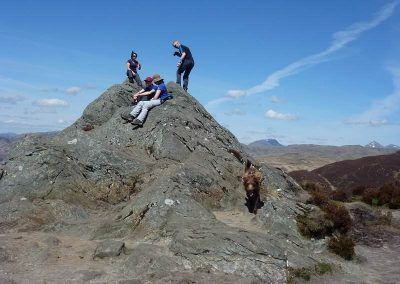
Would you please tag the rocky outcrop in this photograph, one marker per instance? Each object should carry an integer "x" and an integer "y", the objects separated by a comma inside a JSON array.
[{"x": 156, "y": 187}]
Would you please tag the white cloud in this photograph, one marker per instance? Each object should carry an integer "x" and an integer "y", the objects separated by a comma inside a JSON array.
[
  {"x": 217, "y": 102},
  {"x": 280, "y": 116},
  {"x": 339, "y": 40},
  {"x": 51, "y": 103},
  {"x": 379, "y": 111},
  {"x": 235, "y": 111},
  {"x": 73, "y": 90},
  {"x": 236, "y": 93},
  {"x": 275, "y": 99}
]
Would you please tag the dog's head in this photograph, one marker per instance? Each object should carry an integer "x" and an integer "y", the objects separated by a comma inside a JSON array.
[{"x": 251, "y": 179}]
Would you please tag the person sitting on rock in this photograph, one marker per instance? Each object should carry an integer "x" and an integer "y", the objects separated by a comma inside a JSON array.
[
  {"x": 147, "y": 92},
  {"x": 132, "y": 66},
  {"x": 139, "y": 112}
]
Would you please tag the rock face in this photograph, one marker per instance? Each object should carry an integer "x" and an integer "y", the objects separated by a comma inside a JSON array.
[{"x": 154, "y": 187}]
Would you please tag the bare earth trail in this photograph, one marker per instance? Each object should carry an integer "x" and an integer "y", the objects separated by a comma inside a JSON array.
[{"x": 373, "y": 265}]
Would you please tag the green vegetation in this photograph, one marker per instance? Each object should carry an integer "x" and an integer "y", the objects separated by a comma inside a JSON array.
[
  {"x": 342, "y": 245},
  {"x": 322, "y": 268},
  {"x": 314, "y": 224},
  {"x": 306, "y": 273},
  {"x": 388, "y": 194},
  {"x": 333, "y": 218},
  {"x": 303, "y": 272}
]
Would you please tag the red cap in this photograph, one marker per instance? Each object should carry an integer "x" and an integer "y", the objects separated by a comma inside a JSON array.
[{"x": 148, "y": 79}]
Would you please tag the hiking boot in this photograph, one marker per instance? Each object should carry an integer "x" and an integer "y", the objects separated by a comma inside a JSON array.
[
  {"x": 137, "y": 122},
  {"x": 127, "y": 117}
]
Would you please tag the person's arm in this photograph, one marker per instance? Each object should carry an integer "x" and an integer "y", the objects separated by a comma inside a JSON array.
[
  {"x": 183, "y": 55},
  {"x": 139, "y": 66},
  {"x": 141, "y": 91},
  {"x": 158, "y": 92}
]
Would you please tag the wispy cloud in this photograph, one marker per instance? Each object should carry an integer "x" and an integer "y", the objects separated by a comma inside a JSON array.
[
  {"x": 51, "y": 103},
  {"x": 11, "y": 99},
  {"x": 275, "y": 99},
  {"x": 235, "y": 111},
  {"x": 74, "y": 90},
  {"x": 280, "y": 116},
  {"x": 379, "y": 111},
  {"x": 339, "y": 40}
]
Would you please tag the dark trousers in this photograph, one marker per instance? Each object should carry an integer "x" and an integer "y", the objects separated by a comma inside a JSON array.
[
  {"x": 185, "y": 68},
  {"x": 132, "y": 77}
]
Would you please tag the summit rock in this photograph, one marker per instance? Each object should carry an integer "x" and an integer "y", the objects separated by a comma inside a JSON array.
[{"x": 157, "y": 188}]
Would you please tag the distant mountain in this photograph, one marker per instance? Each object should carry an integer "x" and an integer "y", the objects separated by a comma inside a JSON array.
[
  {"x": 374, "y": 145},
  {"x": 372, "y": 171},
  {"x": 309, "y": 156},
  {"x": 8, "y": 136},
  {"x": 392, "y": 146},
  {"x": 265, "y": 143}
]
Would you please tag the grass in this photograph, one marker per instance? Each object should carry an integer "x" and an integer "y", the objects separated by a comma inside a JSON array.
[{"x": 322, "y": 268}]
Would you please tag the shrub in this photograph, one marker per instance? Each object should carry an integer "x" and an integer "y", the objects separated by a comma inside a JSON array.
[
  {"x": 339, "y": 216},
  {"x": 342, "y": 245},
  {"x": 387, "y": 194},
  {"x": 395, "y": 202},
  {"x": 314, "y": 224},
  {"x": 318, "y": 198},
  {"x": 358, "y": 190},
  {"x": 310, "y": 186},
  {"x": 341, "y": 195},
  {"x": 369, "y": 194}
]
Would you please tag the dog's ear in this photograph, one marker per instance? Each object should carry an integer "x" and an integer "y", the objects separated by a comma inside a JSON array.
[{"x": 248, "y": 166}]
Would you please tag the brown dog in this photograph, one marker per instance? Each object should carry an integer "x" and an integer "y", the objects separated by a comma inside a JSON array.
[{"x": 252, "y": 182}]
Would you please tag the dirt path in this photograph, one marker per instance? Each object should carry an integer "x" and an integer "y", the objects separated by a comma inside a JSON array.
[
  {"x": 42, "y": 257},
  {"x": 239, "y": 220},
  {"x": 372, "y": 265}
]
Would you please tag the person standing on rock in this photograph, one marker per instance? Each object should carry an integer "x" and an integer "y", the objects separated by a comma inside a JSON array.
[
  {"x": 132, "y": 66},
  {"x": 185, "y": 64},
  {"x": 140, "y": 111}
]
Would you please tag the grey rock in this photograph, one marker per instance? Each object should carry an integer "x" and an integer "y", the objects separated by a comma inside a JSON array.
[
  {"x": 130, "y": 281},
  {"x": 112, "y": 182},
  {"x": 88, "y": 275},
  {"x": 109, "y": 248},
  {"x": 4, "y": 255},
  {"x": 52, "y": 241}
]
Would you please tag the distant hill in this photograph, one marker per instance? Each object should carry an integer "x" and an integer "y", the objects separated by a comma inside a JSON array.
[
  {"x": 371, "y": 171},
  {"x": 310, "y": 156},
  {"x": 7, "y": 139},
  {"x": 265, "y": 143}
]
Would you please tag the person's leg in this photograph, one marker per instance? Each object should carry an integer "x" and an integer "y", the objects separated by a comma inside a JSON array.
[
  {"x": 130, "y": 75},
  {"x": 138, "y": 80},
  {"x": 179, "y": 74},
  {"x": 136, "y": 110},
  {"x": 188, "y": 69},
  {"x": 146, "y": 107}
]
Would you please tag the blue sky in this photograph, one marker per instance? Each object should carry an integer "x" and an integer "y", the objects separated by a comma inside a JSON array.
[{"x": 321, "y": 72}]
